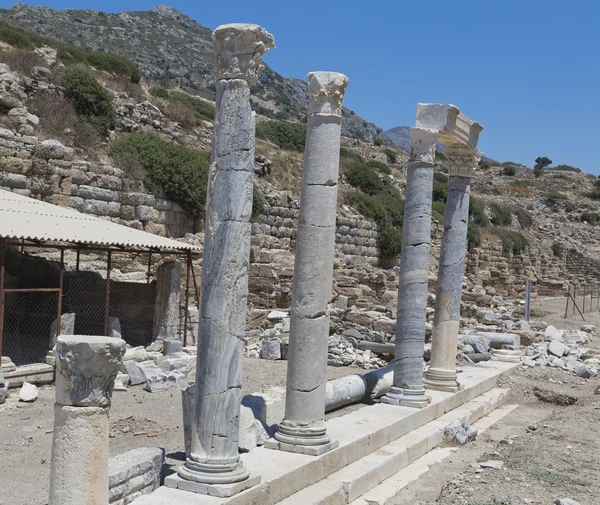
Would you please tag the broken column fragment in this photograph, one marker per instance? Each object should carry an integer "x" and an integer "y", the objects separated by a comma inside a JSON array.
[
  {"x": 214, "y": 465},
  {"x": 304, "y": 429},
  {"x": 166, "y": 306},
  {"x": 411, "y": 321},
  {"x": 85, "y": 376}
]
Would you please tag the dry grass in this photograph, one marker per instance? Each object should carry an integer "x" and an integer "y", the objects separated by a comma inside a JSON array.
[
  {"x": 518, "y": 188},
  {"x": 122, "y": 84},
  {"x": 286, "y": 167},
  {"x": 181, "y": 113},
  {"x": 22, "y": 60},
  {"x": 58, "y": 120}
]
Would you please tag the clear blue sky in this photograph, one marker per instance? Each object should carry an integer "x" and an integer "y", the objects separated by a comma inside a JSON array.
[{"x": 528, "y": 70}]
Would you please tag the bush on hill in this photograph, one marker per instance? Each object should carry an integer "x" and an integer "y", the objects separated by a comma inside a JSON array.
[
  {"x": 382, "y": 168},
  {"x": 181, "y": 172},
  {"x": 92, "y": 102},
  {"x": 286, "y": 135},
  {"x": 390, "y": 242},
  {"x": 590, "y": 217},
  {"x": 511, "y": 240},
  {"x": 509, "y": 170},
  {"x": 391, "y": 155}
]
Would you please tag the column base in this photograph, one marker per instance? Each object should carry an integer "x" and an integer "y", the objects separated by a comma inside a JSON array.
[
  {"x": 224, "y": 490},
  {"x": 311, "y": 439},
  {"x": 507, "y": 355},
  {"x": 415, "y": 398},
  {"x": 213, "y": 473},
  {"x": 441, "y": 380}
]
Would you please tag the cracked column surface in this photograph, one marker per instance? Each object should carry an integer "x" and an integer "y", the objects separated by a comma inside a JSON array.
[
  {"x": 304, "y": 428},
  {"x": 442, "y": 370},
  {"x": 414, "y": 271},
  {"x": 214, "y": 455},
  {"x": 86, "y": 367}
]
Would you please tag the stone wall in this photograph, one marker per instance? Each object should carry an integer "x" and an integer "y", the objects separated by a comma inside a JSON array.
[
  {"x": 47, "y": 171},
  {"x": 134, "y": 473}
]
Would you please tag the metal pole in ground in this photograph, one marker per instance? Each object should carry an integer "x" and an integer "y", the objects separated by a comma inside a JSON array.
[
  {"x": 567, "y": 304},
  {"x": 2, "y": 253},
  {"x": 583, "y": 298},
  {"x": 527, "y": 299}
]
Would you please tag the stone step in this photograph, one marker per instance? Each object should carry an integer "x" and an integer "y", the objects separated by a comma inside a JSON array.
[
  {"x": 388, "y": 491},
  {"x": 353, "y": 481},
  {"x": 359, "y": 433}
]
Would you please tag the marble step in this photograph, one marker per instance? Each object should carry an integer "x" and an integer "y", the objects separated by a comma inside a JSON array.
[
  {"x": 347, "y": 485},
  {"x": 388, "y": 491},
  {"x": 359, "y": 433}
]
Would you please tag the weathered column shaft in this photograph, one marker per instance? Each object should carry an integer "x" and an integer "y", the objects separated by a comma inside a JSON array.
[
  {"x": 442, "y": 371},
  {"x": 414, "y": 272},
  {"x": 304, "y": 423},
  {"x": 86, "y": 371},
  {"x": 224, "y": 291},
  {"x": 166, "y": 306}
]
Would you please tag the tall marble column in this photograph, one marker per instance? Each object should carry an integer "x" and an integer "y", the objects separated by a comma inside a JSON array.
[
  {"x": 214, "y": 455},
  {"x": 411, "y": 322},
  {"x": 442, "y": 370},
  {"x": 304, "y": 429},
  {"x": 86, "y": 367}
]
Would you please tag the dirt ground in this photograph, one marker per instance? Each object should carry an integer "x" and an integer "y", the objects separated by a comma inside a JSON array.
[{"x": 549, "y": 450}]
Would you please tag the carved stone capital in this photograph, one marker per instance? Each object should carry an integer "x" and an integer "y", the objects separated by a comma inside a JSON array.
[
  {"x": 326, "y": 92},
  {"x": 456, "y": 129},
  {"x": 462, "y": 162},
  {"x": 422, "y": 144},
  {"x": 238, "y": 48},
  {"x": 86, "y": 367}
]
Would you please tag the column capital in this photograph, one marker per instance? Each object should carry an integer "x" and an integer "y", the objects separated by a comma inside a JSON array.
[
  {"x": 462, "y": 161},
  {"x": 326, "y": 92},
  {"x": 422, "y": 144},
  {"x": 238, "y": 48},
  {"x": 86, "y": 367}
]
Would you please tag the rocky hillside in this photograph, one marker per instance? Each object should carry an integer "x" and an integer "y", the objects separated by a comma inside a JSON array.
[{"x": 172, "y": 49}]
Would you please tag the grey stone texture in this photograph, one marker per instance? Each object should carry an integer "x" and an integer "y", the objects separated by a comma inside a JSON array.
[
  {"x": 67, "y": 327},
  {"x": 86, "y": 367},
  {"x": 442, "y": 372},
  {"x": 134, "y": 473},
  {"x": 214, "y": 458},
  {"x": 414, "y": 274},
  {"x": 313, "y": 268},
  {"x": 166, "y": 306}
]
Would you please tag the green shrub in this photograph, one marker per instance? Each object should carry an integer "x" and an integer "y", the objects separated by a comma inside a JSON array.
[
  {"x": 286, "y": 135},
  {"x": 348, "y": 153},
  {"x": 478, "y": 216},
  {"x": 439, "y": 156},
  {"x": 378, "y": 142},
  {"x": 382, "y": 168},
  {"x": 181, "y": 172},
  {"x": 590, "y": 217},
  {"x": 390, "y": 242},
  {"x": 391, "y": 155},
  {"x": 473, "y": 235},
  {"x": 509, "y": 170},
  {"x": 511, "y": 240},
  {"x": 538, "y": 172},
  {"x": 501, "y": 214},
  {"x": 440, "y": 191},
  {"x": 363, "y": 177},
  {"x": 384, "y": 208},
  {"x": 201, "y": 108},
  {"x": 92, "y": 102},
  {"x": 159, "y": 92},
  {"x": 594, "y": 195},
  {"x": 553, "y": 197},
  {"x": 16, "y": 37},
  {"x": 440, "y": 177},
  {"x": 524, "y": 217},
  {"x": 557, "y": 249},
  {"x": 258, "y": 202},
  {"x": 437, "y": 210}
]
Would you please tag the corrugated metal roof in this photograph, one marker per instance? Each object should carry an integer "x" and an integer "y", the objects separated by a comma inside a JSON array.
[{"x": 25, "y": 218}]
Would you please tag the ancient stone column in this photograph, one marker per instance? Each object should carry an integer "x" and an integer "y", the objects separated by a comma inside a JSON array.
[
  {"x": 86, "y": 367},
  {"x": 166, "y": 306},
  {"x": 442, "y": 370},
  {"x": 214, "y": 466},
  {"x": 304, "y": 428},
  {"x": 411, "y": 322}
]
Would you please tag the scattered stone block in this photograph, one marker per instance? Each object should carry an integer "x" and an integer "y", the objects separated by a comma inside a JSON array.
[
  {"x": 271, "y": 348},
  {"x": 566, "y": 501},
  {"x": 114, "y": 327},
  {"x": 558, "y": 348},
  {"x": 552, "y": 333},
  {"x": 156, "y": 346},
  {"x": 29, "y": 392},
  {"x": 121, "y": 382},
  {"x": 588, "y": 328},
  {"x": 492, "y": 463},
  {"x": 252, "y": 432},
  {"x": 276, "y": 315},
  {"x": 2, "y": 389},
  {"x": 342, "y": 302},
  {"x": 171, "y": 346},
  {"x": 178, "y": 361},
  {"x": 134, "y": 473},
  {"x": 133, "y": 370}
]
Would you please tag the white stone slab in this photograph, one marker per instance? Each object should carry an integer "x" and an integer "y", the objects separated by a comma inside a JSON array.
[{"x": 456, "y": 129}]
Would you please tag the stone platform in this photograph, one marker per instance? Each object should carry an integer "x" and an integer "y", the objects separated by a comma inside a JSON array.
[{"x": 375, "y": 443}]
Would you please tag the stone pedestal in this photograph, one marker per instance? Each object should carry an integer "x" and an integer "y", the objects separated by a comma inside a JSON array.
[
  {"x": 166, "y": 306},
  {"x": 214, "y": 466},
  {"x": 85, "y": 375},
  {"x": 442, "y": 371},
  {"x": 414, "y": 271},
  {"x": 304, "y": 429}
]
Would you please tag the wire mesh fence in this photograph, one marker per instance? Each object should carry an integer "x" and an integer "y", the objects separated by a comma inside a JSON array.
[{"x": 96, "y": 292}]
